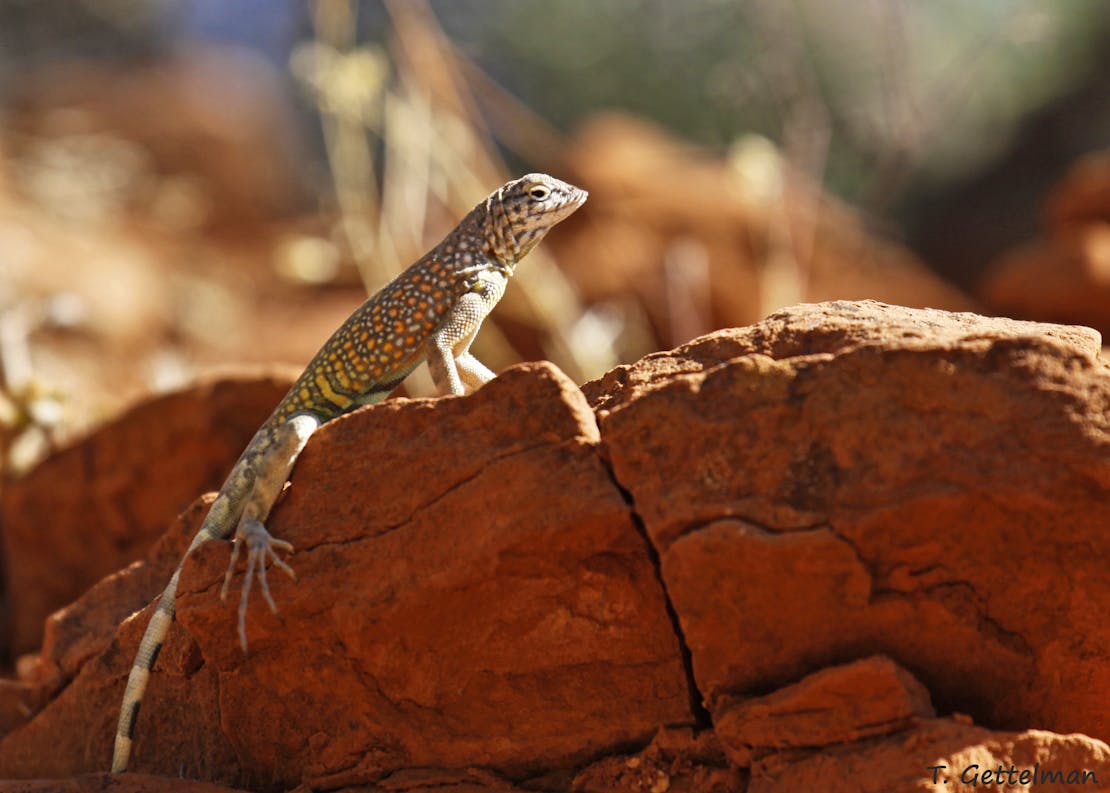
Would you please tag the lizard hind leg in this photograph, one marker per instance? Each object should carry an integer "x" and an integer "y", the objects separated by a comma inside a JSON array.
[
  {"x": 270, "y": 467},
  {"x": 262, "y": 547}
]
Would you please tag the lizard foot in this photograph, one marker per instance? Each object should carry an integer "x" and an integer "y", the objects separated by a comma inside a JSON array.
[{"x": 261, "y": 548}]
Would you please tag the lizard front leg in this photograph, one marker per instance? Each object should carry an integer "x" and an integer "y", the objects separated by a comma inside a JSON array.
[
  {"x": 454, "y": 368},
  {"x": 270, "y": 470}
]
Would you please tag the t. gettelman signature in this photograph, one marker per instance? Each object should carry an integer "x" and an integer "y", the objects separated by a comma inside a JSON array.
[{"x": 974, "y": 775}]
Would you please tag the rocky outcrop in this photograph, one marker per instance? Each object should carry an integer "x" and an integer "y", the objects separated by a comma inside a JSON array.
[
  {"x": 837, "y": 705},
  {"x": 92, "y": 508},
  {"x": 780, "y": 550},
  {"x": 901, "y": 478},
  {"x": 472, "y": 591},
  {"x": 95, "y": 783}
]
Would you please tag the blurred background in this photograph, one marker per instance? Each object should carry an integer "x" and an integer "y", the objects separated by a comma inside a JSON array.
[{"x": 192, "y": 185}]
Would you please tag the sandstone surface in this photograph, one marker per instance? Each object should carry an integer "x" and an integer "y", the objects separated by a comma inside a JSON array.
[
  {"x": 472, "y": 592},
  {"x": 771, "y": 560},
  {"x": 97, "y": 505},
  {"x": 851, "y": 479}
]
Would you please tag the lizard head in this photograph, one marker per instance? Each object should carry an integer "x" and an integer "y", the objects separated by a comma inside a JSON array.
[{"x": 522, "y": 211}]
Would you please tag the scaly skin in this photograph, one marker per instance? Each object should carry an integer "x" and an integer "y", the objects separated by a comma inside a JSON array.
[{"x": 431, "y": 311}]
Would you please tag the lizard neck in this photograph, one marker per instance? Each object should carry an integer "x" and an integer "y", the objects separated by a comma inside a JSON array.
[
  {"x": 498, "y": 239},
  {"x": 481, "y": 241}
]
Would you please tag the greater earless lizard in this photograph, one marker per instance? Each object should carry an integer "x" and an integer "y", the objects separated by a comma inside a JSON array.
[{"x": 430, "y": 311}]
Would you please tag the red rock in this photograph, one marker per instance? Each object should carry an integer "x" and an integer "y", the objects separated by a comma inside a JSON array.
[
  {"x": 82, "y": 630},
  {"x": 420, "y": 780},
  {"x": 472, "y": 592},
  {"x": 19, "y": 700},
  {"x": 868, "y": 480},
  {"x": 1064, "y": 276},
  {"x": 1062, "y": 280},
  {"x": 678, "y": 760},
  {"x": 906, "y": 763},
  {"x": 472, "y": 780},
  {"x": 837, "y": 705},
  {"x": 1082, "y": 197},
  {"x": 96, "y": 783},
  {"x": 824, "y": 328},
  {"x": 475, "y": 592},
  {"x": 94, "y": 507}
]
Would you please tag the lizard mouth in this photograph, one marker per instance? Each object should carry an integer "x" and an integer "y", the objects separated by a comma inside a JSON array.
[{"x": 573, "y": 202}]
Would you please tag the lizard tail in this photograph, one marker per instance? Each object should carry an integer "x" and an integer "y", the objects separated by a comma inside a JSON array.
[
  {"x": 149, "y": 648},
  {"x": 153, "y": 638}
]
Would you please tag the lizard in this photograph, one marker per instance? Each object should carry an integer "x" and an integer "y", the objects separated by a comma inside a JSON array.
[{"x": 430, "y": 311}]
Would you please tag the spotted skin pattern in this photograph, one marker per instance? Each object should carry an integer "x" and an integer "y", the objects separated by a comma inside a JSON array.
[{"x": 432, "y": 311}]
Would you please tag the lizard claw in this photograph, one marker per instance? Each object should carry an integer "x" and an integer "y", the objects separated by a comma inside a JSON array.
[{"x": 261, "y": 548}]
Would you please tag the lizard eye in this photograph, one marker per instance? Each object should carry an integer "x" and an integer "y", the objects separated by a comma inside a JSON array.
[{"x": 538, "y": 192}]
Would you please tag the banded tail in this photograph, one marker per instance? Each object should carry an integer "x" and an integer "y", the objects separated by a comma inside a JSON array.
[{"x": 217, "y": 525}]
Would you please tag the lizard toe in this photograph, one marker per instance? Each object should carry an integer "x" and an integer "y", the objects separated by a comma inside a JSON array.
[{"x": 261, "y": 548}]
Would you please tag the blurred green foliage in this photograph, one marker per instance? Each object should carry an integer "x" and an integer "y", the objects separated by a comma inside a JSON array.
[
  {"x": 871, "y": 96},
  {"x": 866, "y": 92}
]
